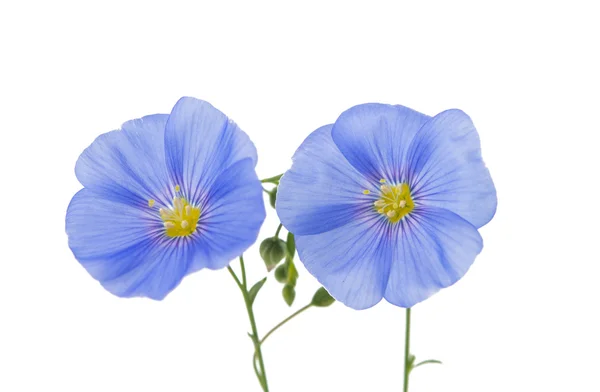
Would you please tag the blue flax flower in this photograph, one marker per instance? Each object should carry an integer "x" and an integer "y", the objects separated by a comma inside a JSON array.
[
  {"x": 386, "y": 203},
  {"x": 164, "y": 196}
]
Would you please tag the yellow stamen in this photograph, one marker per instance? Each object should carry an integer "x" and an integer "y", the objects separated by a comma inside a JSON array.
[
  {"x": 180, "y": 220},
  {"x": 395, "y": 202},
  {"x": 366, "y": 192},
  {"x": 382, "y": 181},
  {"x": 177, "y": 188},
  {"x": 151, "y": 203}
]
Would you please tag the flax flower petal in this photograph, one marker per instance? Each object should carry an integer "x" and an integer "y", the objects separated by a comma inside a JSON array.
[
  {"x": 321, "y": 191},
  {"x": 433, "y": 248}
]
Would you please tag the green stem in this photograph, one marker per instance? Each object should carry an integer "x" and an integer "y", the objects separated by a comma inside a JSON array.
[
  {"x": 243, "y": 267},
  {"x": 406, "y": 350},
  {"x": 278, "y": 230},
  {"x": 243, "y": 285},
  {"x": 275, "y": 328}
]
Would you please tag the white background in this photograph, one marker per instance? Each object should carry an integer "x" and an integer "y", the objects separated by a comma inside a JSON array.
[{"x": 525, "y": 318}]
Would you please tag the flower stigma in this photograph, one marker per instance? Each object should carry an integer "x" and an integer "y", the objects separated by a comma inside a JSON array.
[
  {"x": 181, "y": 219},
  {"x": 395, "y": 201}
]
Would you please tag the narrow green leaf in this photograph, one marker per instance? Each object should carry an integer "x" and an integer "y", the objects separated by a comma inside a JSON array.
[
  {"x": 255, "y": 289},
  {"x": 272, "y": 180},
  {"x": 273, "y": 197},
  {"x": 291, "y": 246},
  {"x": 292, "y": 276},
  {"x": 322, "y": 298}
]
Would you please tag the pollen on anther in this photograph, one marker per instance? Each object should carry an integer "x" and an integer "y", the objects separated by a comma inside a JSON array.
[
  {"x": 402, "y": 203},
  {"x": 391, "y": 214},
  {"x": 188, "y": 210},
  {"x": 366, "y": 192},
  {"x": 169, "y": 225},
  {"x": 151, "y": 203},
  {"x": 184, "y": 224},
  {"x": 385, "y": 188},
  {"x": 379, "y": 203},
  {"x": 177, "y": 188}
]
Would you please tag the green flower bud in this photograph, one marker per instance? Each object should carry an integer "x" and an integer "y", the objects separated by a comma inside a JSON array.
[
  {"x": 289, "y": 293},
  {"x": 281, "y": 273},
  {"x": 272, "y": 251},
  {"x": 322, "y": 298}
]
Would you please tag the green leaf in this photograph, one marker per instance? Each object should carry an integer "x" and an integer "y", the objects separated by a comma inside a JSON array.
[
  {"x": 273, "y": 197},
  {"x": 272, "y": 250},
  {"x": 272, "y": 180},
  {"x": 281, "y": 273},
  {"x": 289, "y": 293},
  {"x": 291, "y": 246},
  {"x": 322, "y": 298},
  {"x": 255, "y": 289}
]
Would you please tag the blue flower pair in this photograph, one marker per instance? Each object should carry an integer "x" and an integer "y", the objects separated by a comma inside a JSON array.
[{"x": 384, "y": 203}]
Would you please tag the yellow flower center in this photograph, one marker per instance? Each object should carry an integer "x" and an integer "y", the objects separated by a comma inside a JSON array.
[
  {"x": 181, "y": 219},
  {"x": 395, "y": 201}
]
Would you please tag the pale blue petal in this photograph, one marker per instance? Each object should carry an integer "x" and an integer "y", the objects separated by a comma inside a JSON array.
[
  {"x": 447, "y": 171},
  {"x": 232, "y": 212},
  {"x": 124, "y": 247},
  {"x": 433, "y": 248},
  {"x": 160, "y": 269},
  {"x": 322, "y": 190},
  {"x": 352, "y": 262},
  {"x": 375, "y": 138},
  {"x": 128, "y": 165},
  {"x": 201, "y": 142}
]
